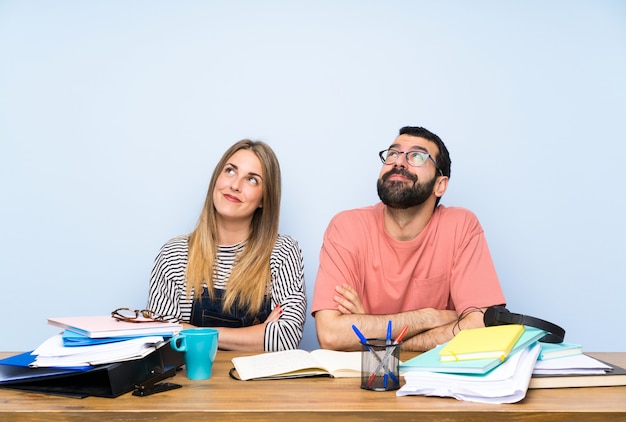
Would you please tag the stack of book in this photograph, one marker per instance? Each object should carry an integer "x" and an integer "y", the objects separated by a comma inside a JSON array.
[{"x": 565, "y": 365}]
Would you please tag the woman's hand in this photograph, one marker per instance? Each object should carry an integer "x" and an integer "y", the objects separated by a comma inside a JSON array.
[{"x": 274, "y": 315}]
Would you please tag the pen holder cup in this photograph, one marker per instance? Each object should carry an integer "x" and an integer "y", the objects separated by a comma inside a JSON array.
[{"x": 380, "y": 365}]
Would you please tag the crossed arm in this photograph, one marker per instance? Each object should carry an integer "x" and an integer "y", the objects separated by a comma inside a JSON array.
[{"x": 428, "y": 327}]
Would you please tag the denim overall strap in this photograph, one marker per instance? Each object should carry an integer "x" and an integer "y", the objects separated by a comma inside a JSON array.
[{"x": 207, "y": 312}]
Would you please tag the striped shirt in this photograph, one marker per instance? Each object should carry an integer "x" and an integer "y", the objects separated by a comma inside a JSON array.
[{"x": 168, "y": 287}]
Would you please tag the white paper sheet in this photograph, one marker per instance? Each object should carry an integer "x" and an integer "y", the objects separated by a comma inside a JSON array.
[
  {"x": 578, "y": 364},
  {"x": 507, "y": 383},
  {"x": 52, "y": 352}
]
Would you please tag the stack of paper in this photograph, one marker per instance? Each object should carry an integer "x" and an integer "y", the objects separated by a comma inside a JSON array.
[
  {"x": 578, "y": 365},
  {"x": 507, "y": 383},
  {"x": 53, "y": 353},
  {"x": 487, "y": 380}
]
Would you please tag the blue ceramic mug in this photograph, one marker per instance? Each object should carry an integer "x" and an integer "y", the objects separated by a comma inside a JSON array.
[{"x": 199, "y": 345}]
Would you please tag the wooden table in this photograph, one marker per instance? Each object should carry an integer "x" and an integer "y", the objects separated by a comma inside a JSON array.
[{"x": 224, "y": 399}]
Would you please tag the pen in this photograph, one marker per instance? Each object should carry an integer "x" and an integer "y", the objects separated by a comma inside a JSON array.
[
  {"x": 360, "y": 335},
  {"x": 401, "y": 335},
  {"x": 388, "y": 342},
  {"x": 363, "y": 341},
  {"x": 387, "y": 354}
]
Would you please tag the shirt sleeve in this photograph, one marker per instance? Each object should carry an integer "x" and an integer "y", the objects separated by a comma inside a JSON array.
[
  {"x": 474, "y": 282},
  {"x": 167, "y": 292},
  {"x": 288, "y": 290},
  {"x": 337, "y": 263}
]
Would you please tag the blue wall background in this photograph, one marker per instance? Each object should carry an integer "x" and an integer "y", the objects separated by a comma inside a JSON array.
[{"x": 114, "y": 113}]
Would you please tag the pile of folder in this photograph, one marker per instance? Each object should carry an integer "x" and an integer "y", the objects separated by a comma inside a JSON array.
[{"x": 93, "y": 356}]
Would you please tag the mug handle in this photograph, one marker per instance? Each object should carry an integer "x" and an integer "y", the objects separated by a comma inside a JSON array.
[{"x": 174, "y": 343}]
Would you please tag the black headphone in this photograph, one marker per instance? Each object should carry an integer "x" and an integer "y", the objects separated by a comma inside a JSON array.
[{"x": 499, "y": 315}]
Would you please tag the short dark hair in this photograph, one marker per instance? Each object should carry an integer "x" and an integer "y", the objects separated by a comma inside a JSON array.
[{"x": 443, "y": 157}]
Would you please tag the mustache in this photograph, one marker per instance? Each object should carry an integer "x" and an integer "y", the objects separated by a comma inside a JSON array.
[{"x": 401, "y": 171}]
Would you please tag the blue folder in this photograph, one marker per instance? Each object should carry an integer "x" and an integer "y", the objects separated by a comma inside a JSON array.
[
  {"x": 73, "y": 339},
  {"x": 16, "y": 368}
]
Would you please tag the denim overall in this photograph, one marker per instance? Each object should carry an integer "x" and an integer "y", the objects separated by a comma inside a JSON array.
[{"x": 208, "y": 313}]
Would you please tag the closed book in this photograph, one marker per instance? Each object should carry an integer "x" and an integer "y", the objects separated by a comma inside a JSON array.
[
  {"x": 559, "y": 350},
  {"x": 482, "y": 343}
]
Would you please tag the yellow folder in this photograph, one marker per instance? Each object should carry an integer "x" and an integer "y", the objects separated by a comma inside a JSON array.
[{"x": 481, "y": 343}]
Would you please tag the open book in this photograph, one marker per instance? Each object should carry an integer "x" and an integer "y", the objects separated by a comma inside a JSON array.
[{"x": 298, "y": 363}]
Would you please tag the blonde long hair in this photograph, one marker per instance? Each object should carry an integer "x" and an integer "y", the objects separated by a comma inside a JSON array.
[{"x": 250, "y": 277}]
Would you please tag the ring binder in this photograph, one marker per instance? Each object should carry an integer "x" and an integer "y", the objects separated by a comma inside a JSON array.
[{"x": 108, "y": 380}]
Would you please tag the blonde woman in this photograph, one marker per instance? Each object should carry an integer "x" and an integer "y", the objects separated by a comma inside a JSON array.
[{"x": 235, "y": 272}]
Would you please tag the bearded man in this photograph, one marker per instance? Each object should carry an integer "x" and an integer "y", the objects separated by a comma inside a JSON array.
[{"x": 406, "y": 259}]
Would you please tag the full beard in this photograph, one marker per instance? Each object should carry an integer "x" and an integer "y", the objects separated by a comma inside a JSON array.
[{"x": 401, "y": 195}]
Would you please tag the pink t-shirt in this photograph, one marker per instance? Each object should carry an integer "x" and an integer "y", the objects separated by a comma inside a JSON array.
[{"x": 447, "y": 266}]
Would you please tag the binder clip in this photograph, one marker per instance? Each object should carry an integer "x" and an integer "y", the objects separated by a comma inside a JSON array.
[{"x": 152, "y": 386}]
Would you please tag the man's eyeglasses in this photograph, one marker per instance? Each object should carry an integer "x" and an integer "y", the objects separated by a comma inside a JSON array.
[
  {"x": 414, "y": 158},
  {"x": 136, "y": 315}
]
